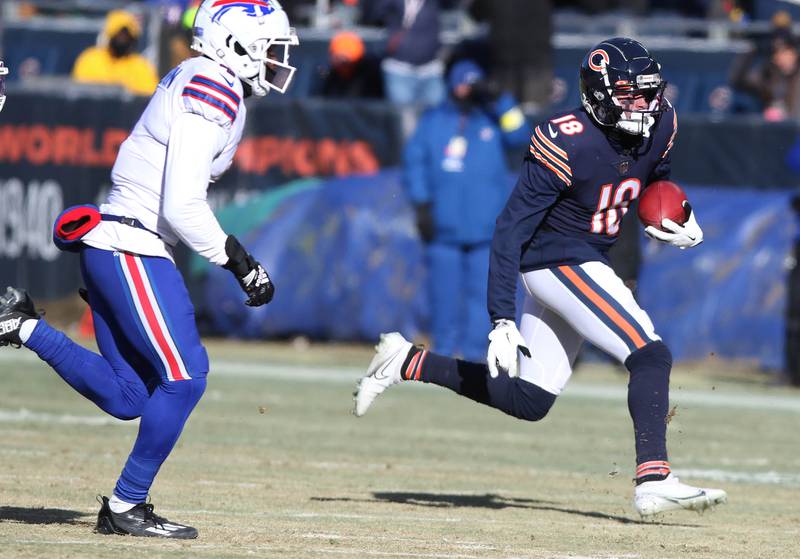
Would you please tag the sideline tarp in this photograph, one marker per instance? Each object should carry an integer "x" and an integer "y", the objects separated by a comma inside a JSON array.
[
  {"x": 345, "y": 259},
  {"x": 727, "y": 296}
]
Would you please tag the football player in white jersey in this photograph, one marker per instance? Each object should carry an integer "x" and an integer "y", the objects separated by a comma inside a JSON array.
[{"x": 152, "y": 364}]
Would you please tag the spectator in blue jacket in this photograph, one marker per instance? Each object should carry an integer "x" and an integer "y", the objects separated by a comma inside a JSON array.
[{"x": 457, "y": 179}]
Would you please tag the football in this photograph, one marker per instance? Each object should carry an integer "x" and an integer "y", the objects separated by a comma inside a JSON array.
[{"x": 662, "y": 199}]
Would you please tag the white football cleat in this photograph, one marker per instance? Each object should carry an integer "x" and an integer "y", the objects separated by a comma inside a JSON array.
[
  {"x": 653, "y": 497},
  {"x": 384, "y": 370}
]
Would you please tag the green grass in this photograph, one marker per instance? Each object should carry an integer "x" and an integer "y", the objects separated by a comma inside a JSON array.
[{"x": 272, "y": 464}]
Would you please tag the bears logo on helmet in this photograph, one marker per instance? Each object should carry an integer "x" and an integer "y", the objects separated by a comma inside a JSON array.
[{"x": 595, "y": 65}]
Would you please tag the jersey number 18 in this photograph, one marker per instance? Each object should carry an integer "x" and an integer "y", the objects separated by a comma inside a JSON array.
[{"x": 613, "y": 205}]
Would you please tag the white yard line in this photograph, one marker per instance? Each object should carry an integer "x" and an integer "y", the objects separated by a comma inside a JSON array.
[
  {"x": 348, "y": 375},
  {"x": 26, "y": 416},
  {"x": 760, "y": 478}
]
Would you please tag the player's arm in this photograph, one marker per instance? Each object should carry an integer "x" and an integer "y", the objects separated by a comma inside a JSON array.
[
  {"x": 193, "y": 143},
  {"x": 689, "y": 234},
  {"x": 534, "y": 194}
]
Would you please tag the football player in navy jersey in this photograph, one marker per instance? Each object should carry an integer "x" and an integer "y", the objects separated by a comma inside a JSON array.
[{"x": 583, "y": 169}]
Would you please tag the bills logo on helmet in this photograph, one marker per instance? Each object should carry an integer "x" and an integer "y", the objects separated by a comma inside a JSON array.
[
  {"x": 253, "y": 8},
  {"x": 596, "y": 63}
]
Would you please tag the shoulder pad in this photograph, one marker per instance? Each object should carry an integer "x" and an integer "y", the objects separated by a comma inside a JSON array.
[
  {"x": 212, "y": 96},
  {"x": 550, "y": 145}
]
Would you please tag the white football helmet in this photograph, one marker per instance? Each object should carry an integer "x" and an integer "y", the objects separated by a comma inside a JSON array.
[
  {"x": 3, "y": 74},
  {"x": 251, "y": 37}
]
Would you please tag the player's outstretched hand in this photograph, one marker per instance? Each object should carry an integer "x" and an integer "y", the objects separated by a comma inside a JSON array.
[
  {"x": 504, "y": 341},
  {"x": 251, "y": 275},
  {"x": 682, "y": 236}
]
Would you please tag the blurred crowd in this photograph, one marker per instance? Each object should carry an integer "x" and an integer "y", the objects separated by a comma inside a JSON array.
[{"x": 409, "y": 64}]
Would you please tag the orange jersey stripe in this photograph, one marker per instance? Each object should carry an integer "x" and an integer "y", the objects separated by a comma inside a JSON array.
[
  {"x": 595, "y": 298},
  {"x": 544, "y": 162},
  {"x": 551, "y": 145},
  {"x": 543, "y": 151},
  {"x": 674, "y": 132}
]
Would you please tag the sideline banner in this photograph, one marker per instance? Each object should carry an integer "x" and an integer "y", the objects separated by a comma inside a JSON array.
[{"x": 59, "y": 151}]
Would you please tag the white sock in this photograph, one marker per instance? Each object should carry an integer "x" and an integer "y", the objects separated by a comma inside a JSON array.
[
  {"x": 26, "y": 329},
  {"x": 117, "y": 505}
]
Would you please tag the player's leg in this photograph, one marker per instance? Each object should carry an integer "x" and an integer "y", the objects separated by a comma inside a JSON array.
[
  {"x": 476, "y": 324},
  {"x": 445, "y": 286},
  {"x": 596, "y": 303},
  {"x": 109, "y": 380},
  {"x": 163, "y": 331},
  {"x": 397, "y": 360}
]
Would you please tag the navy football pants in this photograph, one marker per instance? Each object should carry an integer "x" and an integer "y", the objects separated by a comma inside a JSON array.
[{"x": 152, "y": 364}]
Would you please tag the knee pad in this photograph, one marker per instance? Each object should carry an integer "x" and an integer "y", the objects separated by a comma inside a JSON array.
[
  {"x": 530, "y": 402},
  {"x": 654, "y": 354}
]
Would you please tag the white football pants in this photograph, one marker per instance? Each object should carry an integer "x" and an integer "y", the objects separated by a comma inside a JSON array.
[{"x": 569, "y": 304}]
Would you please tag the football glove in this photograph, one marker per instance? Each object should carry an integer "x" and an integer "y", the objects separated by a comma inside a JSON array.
[
  {"x": 682, "y": 236},
  {"x": 252, "y": 277},
  {"x": 504, "y": 342}
]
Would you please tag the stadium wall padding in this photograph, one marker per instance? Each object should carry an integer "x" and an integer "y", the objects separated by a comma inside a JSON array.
[{"x": 348, "y": 265}]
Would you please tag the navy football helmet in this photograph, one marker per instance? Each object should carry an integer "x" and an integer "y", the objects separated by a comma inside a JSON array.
[{"x": 621, "y": 86}]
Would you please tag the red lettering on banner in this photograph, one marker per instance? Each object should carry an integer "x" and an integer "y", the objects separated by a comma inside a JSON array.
[
  {"x": 91, "y": 157},
  {"x": 61, "y": 145},
  {"x": 112, "y": 139},
  {"x": 363, "y": 159},
  {"x": 39, "y": 145},
  {"x": 327, "y": 153},
  {"x": 66, "y": 149},
  {"x": 10, "y": 144}
]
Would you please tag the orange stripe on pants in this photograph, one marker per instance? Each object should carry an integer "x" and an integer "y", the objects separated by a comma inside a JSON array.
[{"x": 603, "y": 305}]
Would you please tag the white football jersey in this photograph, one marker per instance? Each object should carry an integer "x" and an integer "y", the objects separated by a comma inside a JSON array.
[{"x": 198, "y": 86}]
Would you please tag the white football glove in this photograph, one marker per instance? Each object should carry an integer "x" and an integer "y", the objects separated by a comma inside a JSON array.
[
  {"x": 504, "y": 341},
  {"x": 682, "y": 236}
]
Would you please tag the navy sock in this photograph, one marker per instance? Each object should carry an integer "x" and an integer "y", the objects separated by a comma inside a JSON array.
[
  {"x": 513, "y": 396},
  {"x": 120, "y": 393},
  {"x": 648, "y": 403}
]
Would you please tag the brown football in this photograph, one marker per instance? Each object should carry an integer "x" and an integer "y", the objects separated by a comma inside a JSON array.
[{"x": 662, "y": 199}]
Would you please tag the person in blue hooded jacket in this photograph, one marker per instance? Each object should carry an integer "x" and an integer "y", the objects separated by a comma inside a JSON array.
[{"x": 456, "y": 177}]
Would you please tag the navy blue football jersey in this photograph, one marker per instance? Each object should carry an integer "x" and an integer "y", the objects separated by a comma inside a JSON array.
[{"x": 575, "y": 187}]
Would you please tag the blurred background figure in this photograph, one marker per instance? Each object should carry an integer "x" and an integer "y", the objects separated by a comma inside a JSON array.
[
  {"x": 519, "y": 41},
  {"x": 353, "y": 73},
  {"x": 114, "y": 61},
  {"x": 771, "y": 75},
  {"x": 412, "y": 70},
  {"x": 3, "y": 74},
  {"x": 456, "y": 177}
]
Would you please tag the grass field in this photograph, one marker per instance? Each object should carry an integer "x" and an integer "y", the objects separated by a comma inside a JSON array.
[{"x": 272, "y": 464}]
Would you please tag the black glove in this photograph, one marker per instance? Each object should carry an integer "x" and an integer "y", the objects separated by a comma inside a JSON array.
[
  {"x": 252, "y": 277},
  {"x": 424, "y": 222}
]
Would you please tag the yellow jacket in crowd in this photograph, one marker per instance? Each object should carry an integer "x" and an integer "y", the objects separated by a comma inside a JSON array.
[{"x": 99, "y": 64}]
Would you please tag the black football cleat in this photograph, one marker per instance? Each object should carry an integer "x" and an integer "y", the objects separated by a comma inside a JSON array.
[
  {"x": 140, "y": 521},
  {"x": 16, "y": 307}
]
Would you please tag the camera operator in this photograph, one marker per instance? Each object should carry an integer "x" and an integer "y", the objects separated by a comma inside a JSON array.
[{"x": 457, "y": 179}]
